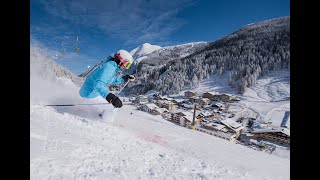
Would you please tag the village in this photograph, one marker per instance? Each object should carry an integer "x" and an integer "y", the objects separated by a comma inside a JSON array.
[{"x": 218, "y": 115}]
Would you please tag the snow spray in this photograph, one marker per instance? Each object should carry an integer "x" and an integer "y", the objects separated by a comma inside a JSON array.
[{"x": 108, "y": 114}]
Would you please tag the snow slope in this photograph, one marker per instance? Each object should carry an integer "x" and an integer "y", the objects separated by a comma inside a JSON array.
[
  {"x": 73, "y": 143},
  {"x": 270, "y": 97}
]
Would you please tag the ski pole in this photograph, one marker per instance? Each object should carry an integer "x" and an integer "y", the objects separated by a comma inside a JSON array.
[
  {"x": 75, "y": 104},
  {"x": 80, "y": 104},
  {"x": 122, "y": 87},
  {"x": 86, "y": 104}
]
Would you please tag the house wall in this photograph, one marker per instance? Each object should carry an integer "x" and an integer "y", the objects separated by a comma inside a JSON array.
[
  {"x": 207, "y": 95},
  {"x": 190, "y": 94},
  {"x": 175, "y": 118},
  {"x": 273, "y": 137},
  {"x": 220, "y": 134},
  {"x": 146, "y": 109}
]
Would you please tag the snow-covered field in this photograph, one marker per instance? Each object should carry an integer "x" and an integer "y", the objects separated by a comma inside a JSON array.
[
  {"x": 74, "y": 143},
  {"x": 270, "y": 97}
]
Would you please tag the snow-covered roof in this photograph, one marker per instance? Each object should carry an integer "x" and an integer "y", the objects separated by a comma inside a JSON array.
[
  {"x": 205, "y": 113},
  {"x": 188, "y": 115},
  {"x": 232, "y": 124},
  {"x": 218, "y": 104},
  {"x": 206, "y": 106},
  {"x": 216, "y": 125},
  {"x": 151, "y": 106},
  {"x": 191, "y": 106},
  {"x": 180, "y": 100},
  {"x": 169, "y": 98},
  {"x": 209, "y": 93},
  {"x": 165, "y": 102},
  {"x": 161, "y": 110},
  {"x": 141, "y": 97},
  {"x": 227, "y": 94},
  {"x": 283, "y": 130},
  {"x": 175, "y": 111}
]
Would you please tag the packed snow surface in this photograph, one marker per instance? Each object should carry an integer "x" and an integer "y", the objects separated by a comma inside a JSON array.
[{"x": 75, "y": 143}]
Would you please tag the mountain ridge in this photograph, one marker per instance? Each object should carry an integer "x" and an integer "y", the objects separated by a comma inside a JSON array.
[{"x": 246, "y": 54}]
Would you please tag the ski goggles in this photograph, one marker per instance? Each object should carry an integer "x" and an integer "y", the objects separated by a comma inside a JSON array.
[{"x": 123, "y": 61}]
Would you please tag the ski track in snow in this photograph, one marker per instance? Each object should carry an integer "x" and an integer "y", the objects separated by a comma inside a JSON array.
[
  {"x": 78, "y": 149},
  {"x": 104, "y": 150}
]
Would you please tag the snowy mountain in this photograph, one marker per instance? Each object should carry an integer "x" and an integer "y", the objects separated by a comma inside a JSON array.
[
  {"x": 141, "y": 53},
  {"x": 161, "y": 55},
  {"x": 251, "y": 52},
  {"x": 168, "y": 53},
  {"x": 142, "y": 50},
  {"x": 74, "y": 143}
]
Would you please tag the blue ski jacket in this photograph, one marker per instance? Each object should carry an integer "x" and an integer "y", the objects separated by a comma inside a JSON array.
[{"x": 98, "y": 81}]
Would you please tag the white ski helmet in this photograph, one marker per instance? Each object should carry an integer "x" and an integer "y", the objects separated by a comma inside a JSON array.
[{"x": 125, "y": 58}]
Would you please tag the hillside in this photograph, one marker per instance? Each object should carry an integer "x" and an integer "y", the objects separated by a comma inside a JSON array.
[
  {"x": 247, "y": 54},
  {"x": 149, "y": 56},
  {"x": 73, "y": 143}
]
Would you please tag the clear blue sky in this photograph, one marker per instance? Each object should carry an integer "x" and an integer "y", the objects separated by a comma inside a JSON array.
[{"x": 105, "y": 26}]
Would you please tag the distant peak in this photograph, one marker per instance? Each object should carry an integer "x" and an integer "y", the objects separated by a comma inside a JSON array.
[
  {"x": 144, "y": 49},
  {"x": 146, "y": 44}
]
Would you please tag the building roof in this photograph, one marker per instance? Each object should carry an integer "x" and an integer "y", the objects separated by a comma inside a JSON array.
[
  {"x": 208, "y": 93},
  {"x": 207, "y": 106},
  {"x": 188, "y": 115},
  {"x": 216, "y": 126},
  {"x": 285, "y": 131},
  {"x": 205, "y": 113},
  {"x": 189, "y": 92},
  {"x": 175, "y": 111},
  {"x": 232, "y": 124},
  {"x": 151, "y": 106},
  {"x": 191, "y": 106},
  {"x": 165, "y": 102},
  {"x": 218, "y": 104},
  {"x": 220, "y": 133},
  {"x": 169, "y": 98},
  {"x": 166, "y": 98},
  {"x": 227, "y": 94},
  {"x": 180, "y": 100},
  {"x": 161, "y": 110}
]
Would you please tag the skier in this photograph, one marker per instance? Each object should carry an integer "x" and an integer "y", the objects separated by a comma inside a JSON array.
[{"x": 106, "y": 74}]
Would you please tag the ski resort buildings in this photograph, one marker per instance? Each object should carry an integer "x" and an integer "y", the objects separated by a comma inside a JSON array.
[
  {"x": 275, "y": 134},
  {"x": 216, "y": 115}
]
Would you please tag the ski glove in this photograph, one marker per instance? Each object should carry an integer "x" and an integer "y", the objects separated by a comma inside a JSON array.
[
  {"x": 128, "y": 77},
  {"x": 114, "y": 100}
]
